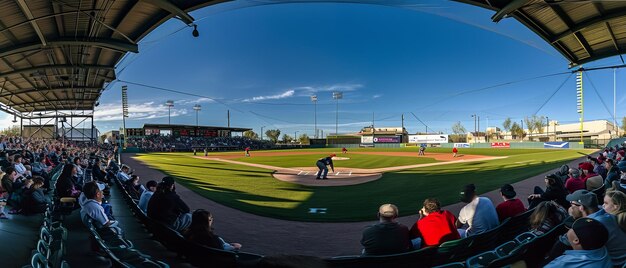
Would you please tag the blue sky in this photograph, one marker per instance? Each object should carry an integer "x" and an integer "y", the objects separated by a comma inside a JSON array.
[{"x": 263, "y": 62}]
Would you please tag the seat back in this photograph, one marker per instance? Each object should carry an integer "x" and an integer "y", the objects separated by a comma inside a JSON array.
[
  {"x": 417, "y": 258},
  {"x": 538, "y": 247},
  {"x": 515, "y": 226},
  {"x": 203, "y": 256}
]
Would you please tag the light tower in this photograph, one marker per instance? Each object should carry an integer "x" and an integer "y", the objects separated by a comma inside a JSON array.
[
  {"x": 169, "y": 104},
  {"x": 197, "y": 108},
  {"x": 314, "y": 100},
  {"x": 337, "y": 95}
]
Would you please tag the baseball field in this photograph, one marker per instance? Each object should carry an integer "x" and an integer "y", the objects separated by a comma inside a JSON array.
[{"x": 281, "y": 184}]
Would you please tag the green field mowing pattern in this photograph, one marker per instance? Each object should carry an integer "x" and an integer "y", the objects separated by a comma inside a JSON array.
[
  {"x": 254, "y": 190},
  {"x": 355, "y": 161}
]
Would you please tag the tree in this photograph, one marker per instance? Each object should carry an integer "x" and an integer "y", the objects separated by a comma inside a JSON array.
[
  {"x": 624, "y": 125},
  {"x": 251, "y": 135},
  {"x": 530, "y": 125},
  {"x": 304, "y": 138},
  {"x": 517, "y": 131},
  {"x": 11, "y": 131},
  {"x": 506, "y": 124},
  {"x": 457, "y": 128},
  {"x": 273, "y": 134},
  {"x": 287, "y": 138}
]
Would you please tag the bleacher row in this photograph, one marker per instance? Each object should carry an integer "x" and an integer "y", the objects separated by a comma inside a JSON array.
[{"x": 507, "y": 244}]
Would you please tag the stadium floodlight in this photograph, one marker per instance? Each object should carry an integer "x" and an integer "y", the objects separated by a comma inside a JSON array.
[
  {"x": 14, "y": 118},
  {"x": 197, "y": 108},
  {"x": 169, "y": 104},
  {"x": 337, "y": 95},
  {"x": 262, "y": 132},
  {"x": 314, "y": 100}
]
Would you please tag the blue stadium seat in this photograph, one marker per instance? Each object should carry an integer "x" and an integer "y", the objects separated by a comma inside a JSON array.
[{"x": 417, "y": 258}]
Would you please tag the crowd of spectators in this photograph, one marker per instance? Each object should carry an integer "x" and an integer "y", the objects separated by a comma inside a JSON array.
[
  {"x": 590, "y": 199},
  {"x": 167, "y": 143}
]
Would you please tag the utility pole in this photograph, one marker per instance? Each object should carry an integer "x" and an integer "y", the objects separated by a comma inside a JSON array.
[
  {"x": 522, "y": 139},
  {"x": 373, "y": 130},
  {"x": 548, "y": 128},
  {"x": 228, "y": 116},
  {"x": 314, "y": 100}
]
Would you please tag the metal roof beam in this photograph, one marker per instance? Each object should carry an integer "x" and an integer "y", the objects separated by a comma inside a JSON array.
[
  {"x": 111, "y": 44},
  {"x": 31, "y": 18},
  {"x": 35, "y": 103},
  {"x": 590, "y": 22},
  {"x": 61, "y": 66},
  {"x": 570, "y": 24},
  {"x": 171, "y": 8},
  {"x": 508, "y": 9},
  {"x": 49, "y": 90}
]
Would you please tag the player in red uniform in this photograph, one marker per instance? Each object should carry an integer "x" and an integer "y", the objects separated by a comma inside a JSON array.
[
  {"x": 344, "y": 150},
  {"x": 247, "y": 151},
  {"x": 454, "y": 151}
]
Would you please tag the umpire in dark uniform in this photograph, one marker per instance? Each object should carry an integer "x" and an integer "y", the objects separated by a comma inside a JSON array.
[{"x": 323, "y": 164}]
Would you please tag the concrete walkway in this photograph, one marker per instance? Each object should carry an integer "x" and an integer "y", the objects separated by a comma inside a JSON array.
[{"x": 268, "y": 236}]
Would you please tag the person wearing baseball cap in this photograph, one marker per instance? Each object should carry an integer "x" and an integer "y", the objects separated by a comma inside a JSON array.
[
  {"x": 322, "y": 164},
  {"x": 167, "y": 207},
  {"x": 388, "y": 236},
  {"x": 588, "y": 238},
  {"x": 511, "y": 206},
  {"x": 479, "y": 214},
  {"x": 584, "y": 204}
]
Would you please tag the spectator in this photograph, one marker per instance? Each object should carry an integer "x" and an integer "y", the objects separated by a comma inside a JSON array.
[
  {"x": 19, "y": 166},
  {"x": 574, "y": 182},
  {"x": 434, "y": 226},
  {"x": 587, "y": 237},
  {"x": 585, "y": 204},
  {"x": 201, "y": 232},
  {"x": 612, "y": 173},
  {"x": 35, "y": 200},
  {"x": 66, "y": 186},
  {"x": 546, "y": 216},
  {"x": 511, "y": 206},
  {"x": 168, "y": 208},
  {"x": 598, "y": 168},
  {"x": 151, "y": 187},
  {"x": 92, "y": 208},
  {"x": 479, "y": 214},
  {"x": 555, "y": 191},
  {"x": 615, "y": 204},
  {"x": 123, "y": 174},
  {"x": 388, "y": 236},
  {"x": 134, "y": 188}
]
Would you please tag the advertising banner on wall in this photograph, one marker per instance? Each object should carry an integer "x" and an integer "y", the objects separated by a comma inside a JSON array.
[
  {"x": 462, "y": 145},
  {"x": 428, "y": 138},
  {"x": 556, "y": 145},
  {"x": 500, "y": 145},
  {"x": 367, "y": 139},
  {"x": 387, "y": 139}
]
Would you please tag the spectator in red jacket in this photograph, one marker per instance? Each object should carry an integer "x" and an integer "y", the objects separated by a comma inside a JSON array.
[
  {"x": 574, "y": 182},
  {"x": 434, "y": 226},
  {"x": 511, "y": 206}
]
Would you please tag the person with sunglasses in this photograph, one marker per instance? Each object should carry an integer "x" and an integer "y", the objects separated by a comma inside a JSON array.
[{"x": 587, "y": 238}]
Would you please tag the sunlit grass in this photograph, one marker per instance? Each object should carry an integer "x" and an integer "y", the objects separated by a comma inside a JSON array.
[{"x": 254, "y": 190}]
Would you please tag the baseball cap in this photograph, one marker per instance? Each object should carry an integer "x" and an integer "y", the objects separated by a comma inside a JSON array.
[
  {"x": 167, "y": 180},
  {"x": 591, "y": 233},
  {"x": 467, "y": 193},
  {"x": 508, "y": 191},
  {"x": 584, "y": 197},
  {"x": 388, "y": 210},
  {"x": 586, "y": 166},
  {"x": 333, "y": 155}
]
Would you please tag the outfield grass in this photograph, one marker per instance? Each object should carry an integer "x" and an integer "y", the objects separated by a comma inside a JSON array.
[
  {"x": 254, "y": 190},
  {"x": 355, "y": 161}
]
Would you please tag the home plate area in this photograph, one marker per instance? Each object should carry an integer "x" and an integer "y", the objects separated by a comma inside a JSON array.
[{"x": 341, "y": 176}]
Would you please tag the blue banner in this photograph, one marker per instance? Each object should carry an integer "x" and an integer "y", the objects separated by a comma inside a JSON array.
[{"x": 556, "y": 144}]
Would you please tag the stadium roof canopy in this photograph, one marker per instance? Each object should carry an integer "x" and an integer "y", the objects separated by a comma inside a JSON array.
[
  {"x": 58, "y": 55},
  {"x": 581, "y": 30}
]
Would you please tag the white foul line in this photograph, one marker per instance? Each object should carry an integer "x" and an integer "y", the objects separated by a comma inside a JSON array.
[
  {"x": 350, "y": 174},
  {"x": 300, "y": 172}
]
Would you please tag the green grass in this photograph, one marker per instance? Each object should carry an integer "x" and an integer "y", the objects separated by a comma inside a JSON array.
[
  {"x": 254, "y": 190},
  {"x": 355, "y": 161}
]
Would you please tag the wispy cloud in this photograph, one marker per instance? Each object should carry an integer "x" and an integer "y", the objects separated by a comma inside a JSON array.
[
  {"x": 307, "y": 90},
  {"x": 195, "y": 101},
  {"x": 286, "y": 94},
  {"x": 377, "y": 96},
  {"x": 137, "y": 111}
]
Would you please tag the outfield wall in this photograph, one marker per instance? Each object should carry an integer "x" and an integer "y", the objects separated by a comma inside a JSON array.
[{"x": 506, "y": 145}]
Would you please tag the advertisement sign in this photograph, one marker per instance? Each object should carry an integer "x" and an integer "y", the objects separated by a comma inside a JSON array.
[
  {"x": 500, "y": 145},
  {"x": 462, "y": 145},
  {"x": 556, "y": 145},
  {"x": 388, "y": 139},
  {"x": 367, "y": 139},
  {"x": 428, "y": 138}
]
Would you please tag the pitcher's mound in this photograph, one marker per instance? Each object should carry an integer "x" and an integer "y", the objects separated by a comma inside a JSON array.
[{"x": 341, "y": 176}]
